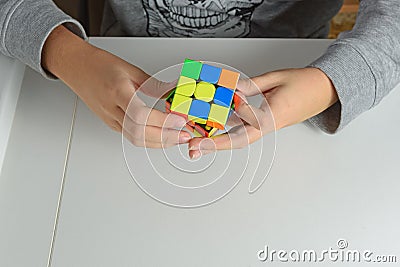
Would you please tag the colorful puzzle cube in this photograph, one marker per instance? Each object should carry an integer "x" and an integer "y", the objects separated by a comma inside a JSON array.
[{"x": 205, "y": 96}]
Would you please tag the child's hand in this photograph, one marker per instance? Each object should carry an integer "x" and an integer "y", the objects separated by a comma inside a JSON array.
[
  {"x": 107, "y": 84},
  {"x": 293, "y": 95}
]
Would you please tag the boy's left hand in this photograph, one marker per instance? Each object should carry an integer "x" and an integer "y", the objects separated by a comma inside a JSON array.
[{"x": 292, "y": 95}]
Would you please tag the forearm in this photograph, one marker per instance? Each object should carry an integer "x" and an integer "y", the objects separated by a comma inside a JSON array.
[
  {"x": 363, "y": 64},
  {"x": 73, "y": 60},
  {"x": 66, "y": 55},
  {"x": 26, "y": 25}
]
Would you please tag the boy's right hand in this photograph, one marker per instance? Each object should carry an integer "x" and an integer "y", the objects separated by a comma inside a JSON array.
[{"x": 107, "y": 84}]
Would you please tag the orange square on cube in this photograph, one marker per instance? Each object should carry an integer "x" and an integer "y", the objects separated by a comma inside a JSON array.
[
  {"x": 228, "y": 79},
  {"x": 215, "y": 125}
]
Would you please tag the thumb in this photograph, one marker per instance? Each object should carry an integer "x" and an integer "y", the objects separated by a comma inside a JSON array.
[
  {"x": 137, "y": 75},
  {"x": 260, "y": 84},
  {"x": 247, "y": 112},
  {"x": 260, "y": 118},
  {"x": 156, "y": 88}
]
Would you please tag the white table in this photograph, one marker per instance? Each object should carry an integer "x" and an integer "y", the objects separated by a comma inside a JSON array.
[
  {"x": 68, "y": 194},
  {"x": 11, "y": 76}
]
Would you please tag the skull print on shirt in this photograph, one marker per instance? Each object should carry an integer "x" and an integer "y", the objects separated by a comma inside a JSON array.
[{"x": 199, "y": 18}]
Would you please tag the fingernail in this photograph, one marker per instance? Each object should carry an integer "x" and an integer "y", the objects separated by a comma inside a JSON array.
[
  {"x": 192, "y": 147},
  {"x": 184, "y": 138},
  {"x": 196, "y": 154}
]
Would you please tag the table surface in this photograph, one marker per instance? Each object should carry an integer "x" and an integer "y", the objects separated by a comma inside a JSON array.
[
  {"x": 11, "y": 76},
  {"x": 68, "y": 198}
]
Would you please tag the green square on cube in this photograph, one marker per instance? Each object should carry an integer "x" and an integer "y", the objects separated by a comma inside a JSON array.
[{"x": 191, "y": 69}]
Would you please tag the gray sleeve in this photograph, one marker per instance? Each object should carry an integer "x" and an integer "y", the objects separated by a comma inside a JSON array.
[
  {"x": 363, "y": 64},
  {"x": 25, "y": 26}
]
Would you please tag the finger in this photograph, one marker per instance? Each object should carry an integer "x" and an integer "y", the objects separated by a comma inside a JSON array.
[
  {"x": 116, "y": 126},
  {"x": 261, "y": 118},
  {"x": 250, "y": 114},
  {"x": 260, "y": 84},
  {"x": 138, "y": 76},
  {"x": 238, "y": 137},
  {"x": 141, "y": 114},
  {"x": 248, "y": 87},
  {"x": 166, "y": 136},
  {"x": 194, "y": 154},
  {"x": 153, "y": 134},
  {"x": 118, "y": 115},
  {"x": 147, "y": 116},
  {"x": 204, "y": 142},
  {"x": 234, "y": 120},
  {"x": 170, "y": 120},
  {"x": 127, "y": 93},
  {"x": 127, "y": 97},
  {"x": 144, "y": 143},
  {"x": 156, "y": 88}
]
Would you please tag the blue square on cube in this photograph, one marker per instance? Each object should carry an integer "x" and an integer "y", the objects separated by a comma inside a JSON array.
[
  {"x": 199, "y": 109},
  {"x": 210, "y": 73},
  {"x": 223, "y": 96}
]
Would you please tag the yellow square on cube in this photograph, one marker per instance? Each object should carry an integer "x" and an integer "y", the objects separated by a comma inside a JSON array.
[
  {"x": 186, "y": 86},
  {"x": 181, "y": 104},
  {"x": 213, "y": 131},
  {"x": 218, "y": 114},
  {"x": 197, "y": 119},
  {"x": 204, "y": 91}
]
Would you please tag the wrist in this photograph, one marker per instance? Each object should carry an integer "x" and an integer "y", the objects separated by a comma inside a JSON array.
[
  {"x": 64, "y": 53},
  {"x": 326, "y": 87}
]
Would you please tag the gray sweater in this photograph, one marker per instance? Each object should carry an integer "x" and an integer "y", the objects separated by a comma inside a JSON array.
[{"x": 363, "y": 64}]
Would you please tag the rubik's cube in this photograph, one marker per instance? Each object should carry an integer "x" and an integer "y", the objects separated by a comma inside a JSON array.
[{"x": 205, "y": 96}]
